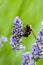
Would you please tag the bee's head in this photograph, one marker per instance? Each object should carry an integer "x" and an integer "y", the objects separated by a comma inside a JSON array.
[{"x": 29, "y": 28}]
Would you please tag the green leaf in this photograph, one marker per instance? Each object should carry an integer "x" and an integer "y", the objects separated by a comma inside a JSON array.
[{"x": 31, "y": 12}]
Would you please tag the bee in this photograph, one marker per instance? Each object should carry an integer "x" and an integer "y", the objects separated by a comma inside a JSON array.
[{"x": 27, "y": 30}]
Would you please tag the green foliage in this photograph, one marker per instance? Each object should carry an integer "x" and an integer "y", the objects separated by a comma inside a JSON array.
[{"x": 31, "y": 12}]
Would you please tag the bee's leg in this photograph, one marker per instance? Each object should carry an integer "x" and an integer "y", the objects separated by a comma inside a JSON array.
[{"x": 33, "y": 34}]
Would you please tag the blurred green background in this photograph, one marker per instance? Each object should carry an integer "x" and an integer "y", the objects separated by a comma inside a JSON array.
[{"x": 30, "y": 12}]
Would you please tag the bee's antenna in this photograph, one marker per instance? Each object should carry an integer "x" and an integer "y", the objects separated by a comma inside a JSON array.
[{"x": 33, "y": 32}]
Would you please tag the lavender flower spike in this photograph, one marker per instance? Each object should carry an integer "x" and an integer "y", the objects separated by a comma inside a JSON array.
[
  {"x": 2, "y": 40},
  {"x": 36, "y": 52},
  {"x": 15, "y": 39},
  {"x": 17, "y": 28},
  {"x": 16, "y": 44},
  {"x": 39, "y": 39},
  {"x": 27, "y": 59}
]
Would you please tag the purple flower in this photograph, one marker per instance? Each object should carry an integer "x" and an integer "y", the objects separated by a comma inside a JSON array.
[
  {"x": 17, "y": 28},
  {"x": 15, "y": 40},
  {"x": 30, "y": 59},
  {"x": 39, "y": 39},
  {"x": 27, "y": 59},
  {"x": 2, "y": 41},
  {"x": 36, "y": 52},
  {"x": 41, "y": 32},
  {"x": 16, "y": 43}
]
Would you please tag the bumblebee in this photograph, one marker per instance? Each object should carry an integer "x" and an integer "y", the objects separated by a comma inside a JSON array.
[{"x": 27, "y": 30}]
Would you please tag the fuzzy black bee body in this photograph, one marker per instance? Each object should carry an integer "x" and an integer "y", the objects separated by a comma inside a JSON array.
[{"x": 27, "y": 31}]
